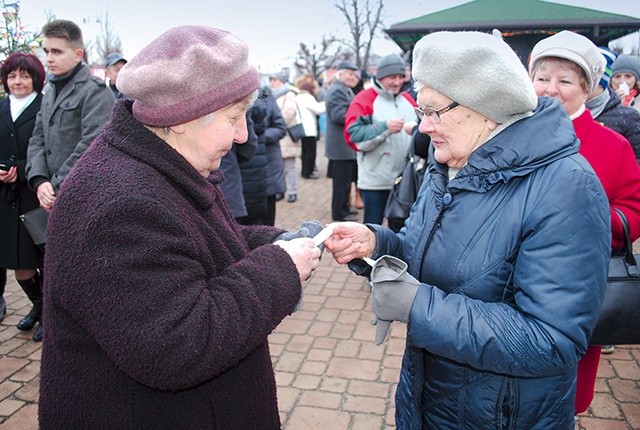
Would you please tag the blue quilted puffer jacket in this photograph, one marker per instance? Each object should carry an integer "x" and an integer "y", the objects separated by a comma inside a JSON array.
[{"x": 512, "y": 255}]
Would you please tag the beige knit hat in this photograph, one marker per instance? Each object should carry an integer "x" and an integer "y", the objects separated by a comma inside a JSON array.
[
  {"x": 187, "y": 73},
  {"x": 477, "y": 70}
]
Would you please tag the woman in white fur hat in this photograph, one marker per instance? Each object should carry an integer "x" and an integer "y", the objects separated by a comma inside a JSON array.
[{"x": 497, "y": 318}]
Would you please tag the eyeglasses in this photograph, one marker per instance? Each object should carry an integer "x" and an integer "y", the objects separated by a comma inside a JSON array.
[{"x": 434, "y": 114}]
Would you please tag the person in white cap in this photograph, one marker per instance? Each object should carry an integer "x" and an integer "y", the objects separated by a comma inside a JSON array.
[
  {"x": 567, "y": 66},
  {"x": 497, "y": 318}
]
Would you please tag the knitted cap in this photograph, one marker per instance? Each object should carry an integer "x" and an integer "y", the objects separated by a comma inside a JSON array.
[
  {"x": 626, "y": 64},
  {"x": 573, "y": 47},
  {"x": 187, "y": 73},
  {"x": 281, "y": 76},
  {"x": 609, "y": 57},
  {"x": 391, "y": 64},
  {"x": 477, "y": 70},
  {"x": 347, "y": 65}
]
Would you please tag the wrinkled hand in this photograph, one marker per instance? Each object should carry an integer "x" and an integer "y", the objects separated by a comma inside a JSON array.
[
  {"x": 350, "y": 240},
  {"x": 409, "y": 126},
  {"x": 393, "y": 291},
  {"x": 304, "y": 253},
  {"x": 46, "y": 196},
  {"x": 9, "y": 176},
  {"x": 395, "y": 125}
]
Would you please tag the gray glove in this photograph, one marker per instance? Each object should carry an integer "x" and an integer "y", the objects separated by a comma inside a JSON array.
[
  {"x": 307, "y": 229},
  {"x": 393, "y": 291}
]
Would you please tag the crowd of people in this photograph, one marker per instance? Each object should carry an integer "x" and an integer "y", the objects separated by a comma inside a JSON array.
[{"x": 163, "y": 272}]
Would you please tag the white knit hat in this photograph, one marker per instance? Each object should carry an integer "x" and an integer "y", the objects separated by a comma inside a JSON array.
[
  {"x": 573, "y": 47},
  {"x": 477, "y": 70}
]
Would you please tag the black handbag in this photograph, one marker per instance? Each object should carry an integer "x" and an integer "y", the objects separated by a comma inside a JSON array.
[
  {"x": 297, "y": 131},
  {"x": 36, "y": 223},
  {"x": 404, "y": 191},
  {"x": 618, "y": 320}
]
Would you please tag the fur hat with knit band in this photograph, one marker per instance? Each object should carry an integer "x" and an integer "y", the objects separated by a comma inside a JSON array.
[
  {"x": 187, "y": 73},
  {"x": 477, "y": 70},
  {"x": 573, "y": 47}
]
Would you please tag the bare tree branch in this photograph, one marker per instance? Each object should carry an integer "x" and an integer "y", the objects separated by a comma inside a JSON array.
[{"x": 364, "y": 19}]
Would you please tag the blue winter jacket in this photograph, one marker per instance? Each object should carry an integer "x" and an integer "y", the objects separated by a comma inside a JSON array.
[{"x": 512, "y": 255}]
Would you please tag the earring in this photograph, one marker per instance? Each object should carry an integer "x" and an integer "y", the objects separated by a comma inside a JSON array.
[{"x": 166, "y": 130}]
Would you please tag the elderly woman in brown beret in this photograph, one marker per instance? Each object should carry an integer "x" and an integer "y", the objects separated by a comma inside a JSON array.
[{"x": 159, "y": 304}]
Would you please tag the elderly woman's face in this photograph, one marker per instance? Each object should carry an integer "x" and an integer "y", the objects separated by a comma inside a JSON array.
[
  {"x": 563, "y": 80},
  {"x": 204, "y": 141},
  {"x": 458, "y": 133}
]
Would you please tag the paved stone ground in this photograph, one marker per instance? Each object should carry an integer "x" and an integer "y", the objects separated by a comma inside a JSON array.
[{"x": 329, "y": 373}]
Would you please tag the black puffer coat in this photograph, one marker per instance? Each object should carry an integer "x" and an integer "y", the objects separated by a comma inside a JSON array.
[{"x": 624, "y": 120}]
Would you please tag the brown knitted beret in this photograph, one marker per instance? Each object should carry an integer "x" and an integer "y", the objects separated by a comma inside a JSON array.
[{"x": 187, "y": 73}]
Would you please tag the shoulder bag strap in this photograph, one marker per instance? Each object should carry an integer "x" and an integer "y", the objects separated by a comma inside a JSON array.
[{"x": 628, "y": 246}]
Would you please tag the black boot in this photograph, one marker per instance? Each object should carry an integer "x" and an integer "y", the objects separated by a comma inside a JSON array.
[
  {"x": 33, "y": 289},
  {"x": 37, "y": 336},
  {"x": 3, "y": 304}
]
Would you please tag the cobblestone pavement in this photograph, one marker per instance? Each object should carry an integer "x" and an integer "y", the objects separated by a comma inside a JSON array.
[{"x": 330, "y": 375}]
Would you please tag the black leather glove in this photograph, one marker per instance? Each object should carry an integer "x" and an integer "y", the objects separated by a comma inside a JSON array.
[{"x": 393, "y": 291}]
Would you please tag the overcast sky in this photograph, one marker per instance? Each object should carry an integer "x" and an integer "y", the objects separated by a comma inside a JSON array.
[{"x": 272, "y": 29}]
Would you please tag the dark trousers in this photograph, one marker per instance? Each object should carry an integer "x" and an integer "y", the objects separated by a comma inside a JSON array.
[
  {"x": 374, "y": 203},
  {"x": 343, "y": 173},
  {"x": 308, "y": 156},
  {"x": 3, "y": 280},
  {"x": 270, "y": 218}
]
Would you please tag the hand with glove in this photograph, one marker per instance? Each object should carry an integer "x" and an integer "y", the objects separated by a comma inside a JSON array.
[
  {"x": 393, "y": 291},
  {"x": 307, "y": 229}
]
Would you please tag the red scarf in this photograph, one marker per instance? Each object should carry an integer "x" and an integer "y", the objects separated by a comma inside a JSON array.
[{"x": 629, "y": 97}]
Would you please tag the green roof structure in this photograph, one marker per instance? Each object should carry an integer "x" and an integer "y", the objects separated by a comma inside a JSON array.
[{"x": 522, "y": 23}]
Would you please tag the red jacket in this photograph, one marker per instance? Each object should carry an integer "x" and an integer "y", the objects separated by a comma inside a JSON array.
[{"x": 613, "y": 160}]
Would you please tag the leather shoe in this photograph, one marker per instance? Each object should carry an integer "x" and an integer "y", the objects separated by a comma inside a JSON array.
[
  {"x": 292, "y": 198},
  {"x": 279, "y": 196},
  {"x": 37, "y": 336},
  {"x": 349, "y": 217},
  {"x": 312, "y": 176}
]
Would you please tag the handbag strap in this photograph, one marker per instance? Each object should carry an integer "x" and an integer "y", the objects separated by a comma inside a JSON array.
[{"x": 628, "y": 246}]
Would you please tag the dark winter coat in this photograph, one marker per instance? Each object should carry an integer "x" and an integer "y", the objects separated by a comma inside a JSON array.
[
  {"x": 158, "y": 305},
  {"x": 337, "y": 102},
  {"x": 17, "y": 250},
  {"x": 512, "y": 255},
  {"x": 230, "y": 165},
  {"x": 254, "y": 171},
  {"x": 624, "y": 120},
  {"x": 275, "y": 131}
]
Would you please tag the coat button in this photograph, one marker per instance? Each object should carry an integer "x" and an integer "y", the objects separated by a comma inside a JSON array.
[
  {"x": 446, "y": 199},
  {"x": 48, "y": 152},
  {"x": 12, "y": 135}
]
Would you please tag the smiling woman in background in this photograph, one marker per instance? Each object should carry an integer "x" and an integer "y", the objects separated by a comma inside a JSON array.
[{"x": 23, "y": 79}]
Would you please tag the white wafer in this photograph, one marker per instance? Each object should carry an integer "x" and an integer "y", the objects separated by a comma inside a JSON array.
[{"x": 323, "y": 235}]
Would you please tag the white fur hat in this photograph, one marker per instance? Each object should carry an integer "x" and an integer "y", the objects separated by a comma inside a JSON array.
[
  {"x": 477, "y": 70},
  {"x": 573, "y": 47}
]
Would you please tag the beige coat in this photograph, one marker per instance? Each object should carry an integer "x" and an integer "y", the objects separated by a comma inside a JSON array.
[{"x": 289, "y": 109}]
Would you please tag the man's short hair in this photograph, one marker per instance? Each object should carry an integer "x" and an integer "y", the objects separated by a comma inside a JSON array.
[{"x": 64, "y": 29}]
